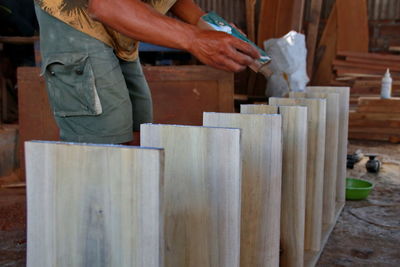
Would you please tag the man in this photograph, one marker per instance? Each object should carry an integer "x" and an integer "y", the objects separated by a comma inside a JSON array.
[{"x": 90, "y": 60}]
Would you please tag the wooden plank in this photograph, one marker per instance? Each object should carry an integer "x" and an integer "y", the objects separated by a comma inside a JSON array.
[
  {"x": 382, "y": 63},
  {"x": 18, "y": 39},
  {"x": 356, "y": 65},
  {"x": 393, "y": 138},
  {"x": 261, "y": 184},
  {"x": 344, "y": 95},
  {"x": 374, "y": 116},
  {"x": 316, "y": 120},
  {"x": 91, "y": 205},
  {"x": 352, "y": 25},
  {"x": 355, "y": 123},
  {"x": 388, "y": 57},
  {"x": 326, "y": 51},
  {"x": 312, "y": 33},
  {"x": 377, "y": 101},
  {"x": 375, "y": 130},
  {"x": 201, "y": 193},
  {"x": 294, "y": 162},
  {"x": 258, "y": 109},
  {"x": 277, "y": 18},
  {"x": 331, "y": 153},
  {"x": 250, "y": 19},
  {"x": 379, "y": 109}
]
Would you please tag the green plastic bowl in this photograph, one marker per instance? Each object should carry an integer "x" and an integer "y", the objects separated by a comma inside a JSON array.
[{"x": 357, "y": 189}]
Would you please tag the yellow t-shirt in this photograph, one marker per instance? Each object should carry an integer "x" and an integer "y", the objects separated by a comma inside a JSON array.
[{"x": 74, "y": 13}]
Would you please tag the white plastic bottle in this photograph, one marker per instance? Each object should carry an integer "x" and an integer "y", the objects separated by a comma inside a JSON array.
[{"x": 386, "y": 89}]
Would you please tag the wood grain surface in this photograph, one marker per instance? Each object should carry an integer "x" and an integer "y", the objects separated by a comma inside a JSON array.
[
  {"x": 261, "y": 184},
  {"x": 201, "y": 193},
  {"x": 294, "y": 165},
  {"x": 352, "y": 25},
  {"x": 92, "y": 205},
  {"x": 316, "y": 118},
  {"x": 344, "y": 96},
  {"x": 331, "y": 153}
]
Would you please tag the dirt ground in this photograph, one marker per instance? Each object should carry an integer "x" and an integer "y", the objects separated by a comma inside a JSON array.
[{"x": 367, "y": 232}]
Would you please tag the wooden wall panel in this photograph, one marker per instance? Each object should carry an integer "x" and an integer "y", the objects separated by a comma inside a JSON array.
[
  {"x": 331, "y": 152},
  {"x": 93, "y": 205},
  {"x": 315, "y": 165},
  {"x": 294, "y": 162},
  {"x": 261, "y": 185},
  {"x": 277, "y": 18},
  {"x": 202, "y": 193},
  {"x": 180, "y": 96},
  {"x": 344, "y": 96}
]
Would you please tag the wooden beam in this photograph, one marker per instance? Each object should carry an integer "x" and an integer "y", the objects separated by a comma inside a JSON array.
[
  {"x": 294, "y": 162},
  {"x": 202, "y": 193},
  {"x": 344, "y": 97},
  {"x": 352, "y": 25},
  {"x": 316, "y": 119},
  {"x": 250, "y": 19},
  {"x": 93, "y": 205},
  {"x": 261, "y": 184},
  {"x": 326, "y": 51},
  {"x": 277, "y": 18},
  {"x": 312, "y": 33}
]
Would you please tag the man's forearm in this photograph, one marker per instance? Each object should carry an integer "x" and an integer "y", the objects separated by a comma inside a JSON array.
[
  {"x": 188, "y": 11},
  {"x": 141, "y": 22}
]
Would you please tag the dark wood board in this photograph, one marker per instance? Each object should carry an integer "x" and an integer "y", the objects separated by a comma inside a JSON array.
[{"x": 180, "y": 96}]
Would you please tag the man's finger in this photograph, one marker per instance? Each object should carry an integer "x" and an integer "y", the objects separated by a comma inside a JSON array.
[
  {"x": 230, "y": 65},
  {"x": 245, "y": 48},
  {"x": 239, "y": 57}
]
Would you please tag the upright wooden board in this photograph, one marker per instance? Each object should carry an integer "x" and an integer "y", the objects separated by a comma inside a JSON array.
[
  {"x": 312, "y": 33},
  {"x": 277, "y": 18},
  {"x": 331, "y": 153},
  {"x": 352, "y": 25},
  {"x": 261, "y": 185},
  {"x": 93, "y": 205},
  {"x": 294, "y": 162},
  {"x": 201, "y": 194},
  {"x": 326, "y": 51},
  {"x": 344, "y": 96},
  {"x": 316, "y": 117}
]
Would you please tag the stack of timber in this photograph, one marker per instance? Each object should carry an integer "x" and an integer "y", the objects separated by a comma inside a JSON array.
[
  {"x": 343, "y": 58},
  {"x": 376, "y": 119}
]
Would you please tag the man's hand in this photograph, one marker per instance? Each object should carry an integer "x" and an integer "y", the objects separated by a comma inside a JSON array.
[
  {"x": 141, "y": 22},
  {"x": 223, "y": 51}
]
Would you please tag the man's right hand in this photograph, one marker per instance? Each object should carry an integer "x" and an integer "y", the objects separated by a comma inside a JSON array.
[
  {"x": 141, "y": 22},
  {"x": 222, "y": 51}
]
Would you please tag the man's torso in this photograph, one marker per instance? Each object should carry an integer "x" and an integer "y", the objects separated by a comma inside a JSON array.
[{"x": 74, "y": 13}]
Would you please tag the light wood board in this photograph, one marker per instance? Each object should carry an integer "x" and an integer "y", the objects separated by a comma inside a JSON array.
[
  {"x": 344, "y": 96},
  {"x": 331, "y": 152},
  {"x": 202, "y": 193},
  {"x": 316, "y": 117},
  {"x": 294, "y": 164},
  {"x": 261, "y": 184},
  {"x": 93, "y": 205}
]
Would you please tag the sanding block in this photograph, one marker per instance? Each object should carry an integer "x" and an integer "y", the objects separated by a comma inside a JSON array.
[{"x": 214, "y": 22}]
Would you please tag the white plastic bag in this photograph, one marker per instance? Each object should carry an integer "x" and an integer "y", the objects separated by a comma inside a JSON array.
[{"x": 288, "y": 65}]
